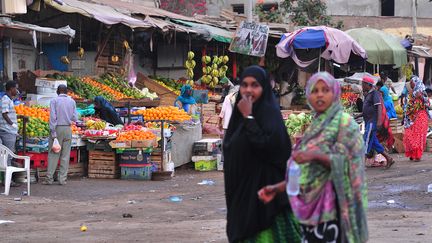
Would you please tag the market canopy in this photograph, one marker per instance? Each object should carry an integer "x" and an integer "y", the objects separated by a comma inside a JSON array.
[
  {"x": 15, "y": 29},
  {"x": 105, "y": 14},
  {"x": 328, "y": 43},
  {"x": 209, "y": 32},
  {"x": 381, "y": 48}
]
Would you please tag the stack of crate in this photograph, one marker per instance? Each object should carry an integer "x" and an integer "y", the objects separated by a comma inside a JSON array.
[
  {"x": 206, "y": 154},
  {"x": 396, "y": 126},
  {"x": 103, "y": 165}
]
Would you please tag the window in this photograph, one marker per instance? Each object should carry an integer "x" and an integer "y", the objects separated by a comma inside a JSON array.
[
  {"x": 238, "y": 8},
  {"x": 387, "y": 7}
]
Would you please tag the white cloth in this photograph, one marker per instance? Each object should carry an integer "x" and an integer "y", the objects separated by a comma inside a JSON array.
[{"x": 226, "y": 111}]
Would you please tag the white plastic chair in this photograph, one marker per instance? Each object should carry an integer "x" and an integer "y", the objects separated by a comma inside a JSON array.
[{"x": 4, "y": 153}]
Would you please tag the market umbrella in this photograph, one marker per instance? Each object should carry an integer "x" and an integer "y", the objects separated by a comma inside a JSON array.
[
  {"x": 307, "y": 44},
  {"x": 381, "y": 47}
]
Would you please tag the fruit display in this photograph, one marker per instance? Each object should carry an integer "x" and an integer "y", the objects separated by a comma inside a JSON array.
[
  {"x": 114, "y": 93},
  {"x": 132, "y": 127},
  {"x": 35, "y": 128},
  {"x": 73, "y": 95},
  {"x": 157, "y": 125},
  {"x": 93, "y": 124},
  {"x": 214, "y": 69},
  {"x": 85, "y": 90},
  {"x": 349, "y": 98},
  {"x": 119, "y": 84},
  {"x": 33, "y": 111},
  {"x": 169, "y": 113},
  {"x": 190, "y": 65},
  {"x": 297, "y": 123},
  {"x": 136, "y": 135},
  {"x": 76, "y": 130}
]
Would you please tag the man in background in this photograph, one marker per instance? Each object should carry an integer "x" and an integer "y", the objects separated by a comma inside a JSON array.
[
  {"x": 62, "y": 115},
  {"x": 8, "y": 120}
]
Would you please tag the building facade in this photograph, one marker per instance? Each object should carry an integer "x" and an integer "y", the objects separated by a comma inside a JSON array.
[{"x": 397, "y": 8}]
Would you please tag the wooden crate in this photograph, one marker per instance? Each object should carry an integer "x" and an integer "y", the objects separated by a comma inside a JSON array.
[
  {"x": 166, "y": 96},
  {"x": 428, "y": 145},
  {"x": 75, "y": 170},
  {"x": 103, "y": 165},
  {"x": 209, "y": 109}
]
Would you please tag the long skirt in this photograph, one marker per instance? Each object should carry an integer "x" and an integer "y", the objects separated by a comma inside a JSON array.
[
  {"x": 415, "y": 136},
  {"x": 285, "y": 229}
]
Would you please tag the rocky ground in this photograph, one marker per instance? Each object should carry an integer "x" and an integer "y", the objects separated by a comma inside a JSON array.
[{"x": 120, "y": 211}]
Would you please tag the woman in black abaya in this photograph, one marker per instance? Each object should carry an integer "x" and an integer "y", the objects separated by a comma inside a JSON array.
[{"x": 256, "y": 148}]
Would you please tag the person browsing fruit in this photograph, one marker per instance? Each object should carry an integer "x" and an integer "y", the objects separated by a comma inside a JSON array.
[
  {"x": 106, "y": 111},
  {"x": 62, "y": 115},
  {"x": 8, "y": 120}
]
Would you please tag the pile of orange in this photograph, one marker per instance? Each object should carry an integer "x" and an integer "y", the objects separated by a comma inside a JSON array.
[
  {"x": 116, "y": 94},
  {"x": 73, "y": 95},
  {"x": 35, "y": 112},
  {"x": 169, "y": 113},
  {"x": 75, "y": 129},
  {"x": 136, "y": 135}
]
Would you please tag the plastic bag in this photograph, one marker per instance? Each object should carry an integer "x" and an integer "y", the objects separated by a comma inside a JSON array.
[{"x": 56, "y": 146}]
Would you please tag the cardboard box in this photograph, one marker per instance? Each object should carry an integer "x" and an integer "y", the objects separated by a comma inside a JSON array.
[
  {"x": 398, "y": 145},
  {"x": 144, "y": 143},
  {"x": 120, "y": 144},
  {"x": 49, "y": 83}
]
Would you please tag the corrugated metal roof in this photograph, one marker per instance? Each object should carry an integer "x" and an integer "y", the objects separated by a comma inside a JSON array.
[{"x": 103, "y": 13}]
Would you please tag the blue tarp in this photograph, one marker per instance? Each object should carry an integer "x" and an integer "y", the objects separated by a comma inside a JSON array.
[
  {"x": 309, "y": 39},
  {"x": 54, "y": 51}
]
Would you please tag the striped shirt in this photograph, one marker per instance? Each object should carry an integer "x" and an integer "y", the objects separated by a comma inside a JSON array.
[{"x": 7, "y": 106}]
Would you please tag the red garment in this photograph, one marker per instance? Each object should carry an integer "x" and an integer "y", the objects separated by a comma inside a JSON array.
[
  {"x": 386, "y": 134},
  {"x": 415, "y": 136}
]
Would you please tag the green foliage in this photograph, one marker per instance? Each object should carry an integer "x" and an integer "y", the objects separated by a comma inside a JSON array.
[{"x": 299, "y": 12}]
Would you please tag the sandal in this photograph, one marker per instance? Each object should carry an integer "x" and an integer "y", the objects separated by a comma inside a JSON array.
[{"x": 390, "y": 163}]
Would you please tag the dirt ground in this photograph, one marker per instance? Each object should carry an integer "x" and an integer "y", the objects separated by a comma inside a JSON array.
[{"x": 55, "y": 213}]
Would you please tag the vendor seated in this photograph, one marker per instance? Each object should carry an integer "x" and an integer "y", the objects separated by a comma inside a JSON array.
[
  {"x": 106, "y": 111},
  {"x": 185, "y": 101}
]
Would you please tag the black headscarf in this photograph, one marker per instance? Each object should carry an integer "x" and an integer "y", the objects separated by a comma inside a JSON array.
[
  {"x": 106, "y": 111},
  {"x": 255, "y": 155}
]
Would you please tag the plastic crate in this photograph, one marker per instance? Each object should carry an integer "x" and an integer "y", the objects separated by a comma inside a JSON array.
[
  {"x": 40, "y": 160},
  {"x": 136, "y": 172},
  {"x": 206, "y": 165}
]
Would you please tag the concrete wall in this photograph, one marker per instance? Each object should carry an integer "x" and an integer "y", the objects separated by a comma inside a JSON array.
[
  {"x": 403, "y": 8},
  {"x": 354, "y": 7},
  {"x": 346, "y": 7},
  {"x": 87, "y": 66},
  {"x": 23, "y": 57}
]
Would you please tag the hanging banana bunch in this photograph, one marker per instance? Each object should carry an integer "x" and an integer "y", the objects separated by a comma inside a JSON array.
[
  {"x": 65, "y": 60},
  {"x": 190, "y": 65},
  {"x": 80, "y": 52},
  {"x": 215, "y": 70},
  {"x": 126, "y": 45}
]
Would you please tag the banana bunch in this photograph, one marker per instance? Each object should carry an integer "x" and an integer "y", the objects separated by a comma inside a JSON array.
[
  {"x": 80, "y": 52},
  {"x": 215, "y": 70},
  {"x": 190, "y": 65},
  {"x": 206, "y": 59},
  {"x": 126, "y": 45},
  {"x": 95, "y": 125},
  {"x": 64, "y": 60}
]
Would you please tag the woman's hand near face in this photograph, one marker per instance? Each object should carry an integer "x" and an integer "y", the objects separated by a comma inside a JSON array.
[{"x": 245, "y": 106}]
